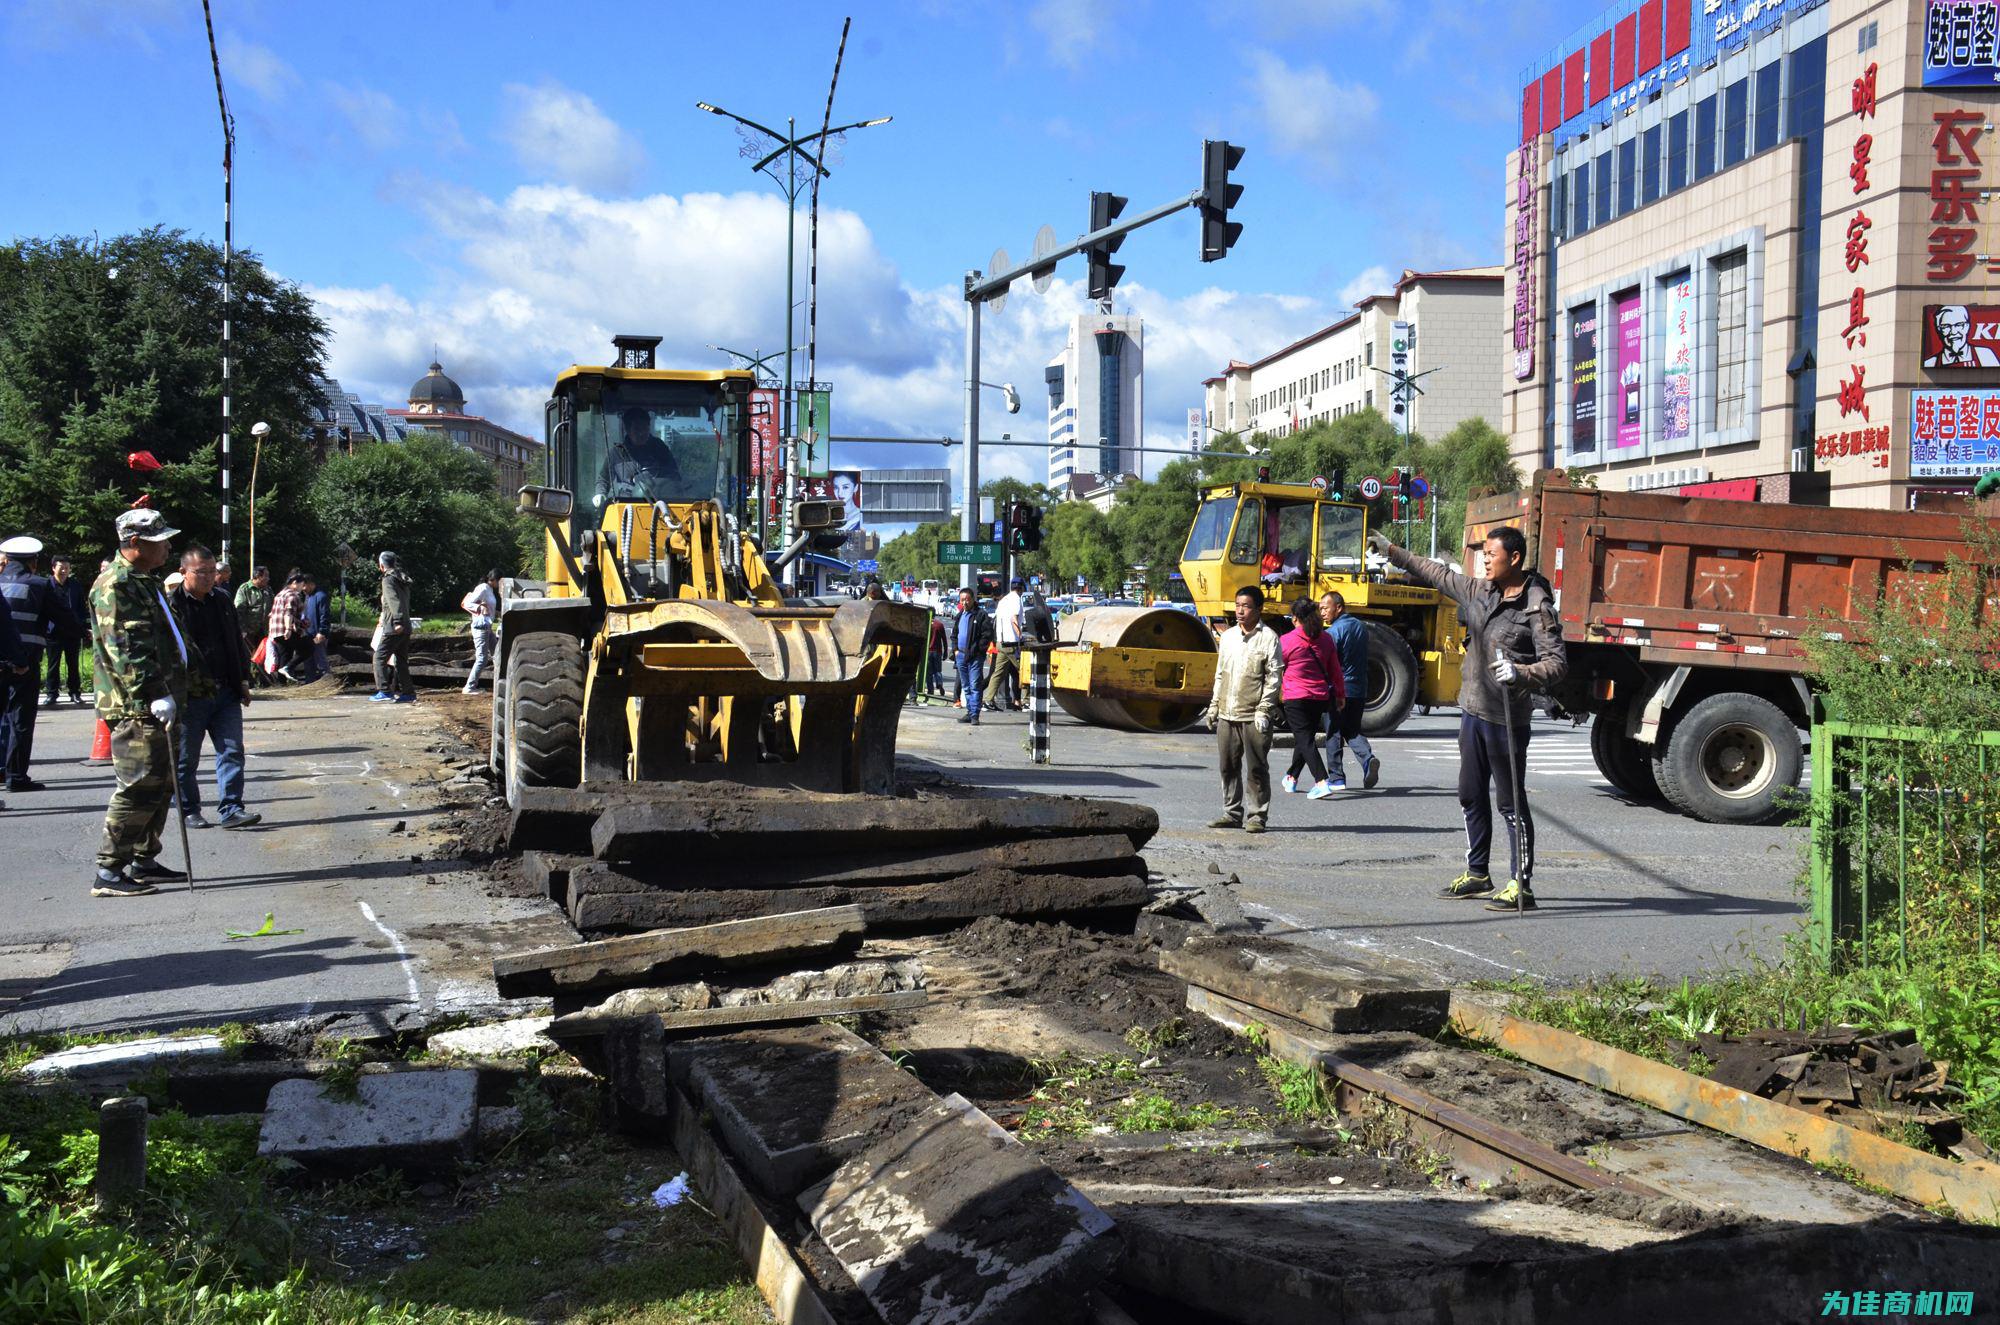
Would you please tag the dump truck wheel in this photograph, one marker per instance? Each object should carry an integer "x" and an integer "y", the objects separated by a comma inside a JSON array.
[
  {"x": 1625, "y": 763},
  {"x": 544, "y": 712},
  {"x": 1728, "y": 757},
  {"x": 1392, "y": 681}
]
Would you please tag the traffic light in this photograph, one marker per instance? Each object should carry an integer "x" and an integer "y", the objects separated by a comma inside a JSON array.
[
  {"x": 1024, "y": 527},
  {"x": 1104, "y": 273},
  {"x": 1336, "y": 483},
  {"x": 1218, "y": 233}
]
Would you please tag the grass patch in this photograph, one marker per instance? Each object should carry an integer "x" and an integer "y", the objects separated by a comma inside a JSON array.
[{"x": 1113, "y": 1093}]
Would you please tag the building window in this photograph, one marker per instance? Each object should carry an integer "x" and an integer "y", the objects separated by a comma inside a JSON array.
[
  {"x": 1580, "y": 199},
  {"x": 1602, "y": 212},
  {"x": 1769, "y": 103},
  {"x": 1735, "y": 121},
  {"x": 1806, "y": 95},
  {"x": 1677, "y": 152},
  {"x": 1628, "y": 175},
  {"x": 1649, "y": 166},
  {"x": 1558, "y": 202},
  {"x": 1704, "y": 138},
  {"x": 1732, "y": 338},
  {"x": 1870, "y": 34}
]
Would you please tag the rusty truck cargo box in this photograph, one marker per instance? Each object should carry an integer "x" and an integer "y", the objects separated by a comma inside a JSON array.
[{"x": 1698, "y": 580}]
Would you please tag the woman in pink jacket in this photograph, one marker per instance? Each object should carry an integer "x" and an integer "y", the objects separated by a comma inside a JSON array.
[{"x": 1312, "y": 683}]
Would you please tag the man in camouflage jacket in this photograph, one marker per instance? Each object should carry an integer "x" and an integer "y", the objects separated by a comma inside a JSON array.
[{"x": 142, "y": 683}]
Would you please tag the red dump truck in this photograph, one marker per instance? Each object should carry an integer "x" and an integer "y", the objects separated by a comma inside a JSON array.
[{"x": 1685, "y": 617}]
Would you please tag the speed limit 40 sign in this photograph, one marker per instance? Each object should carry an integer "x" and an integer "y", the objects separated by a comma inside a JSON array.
[{"x": 1371, "y": 488}]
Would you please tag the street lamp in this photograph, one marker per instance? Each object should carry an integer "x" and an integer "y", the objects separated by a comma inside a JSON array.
[
  {"x": 258, "y": 432},
  {"x": 793, "y": 147},
  {"x": 1008, "y": 394},
  {"x": 757, "y": 363}
]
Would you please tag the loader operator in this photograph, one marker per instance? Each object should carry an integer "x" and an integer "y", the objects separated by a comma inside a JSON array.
[
  {"x": 1512, "y": 611},
  {"x": 641, "y": 466}
]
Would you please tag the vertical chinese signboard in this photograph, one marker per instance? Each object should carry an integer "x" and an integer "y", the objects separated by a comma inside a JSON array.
[
  {"x": 815, "y": 428},
  {"x": 1399, "y": 366},
  {"x": 1525, "y": 185},
  {"x": 1677, "y": 393},
  {"x": 1631, "y": 370},
  {"x": 766, "y": 455},
  {"x": 1583, "y": 380}
]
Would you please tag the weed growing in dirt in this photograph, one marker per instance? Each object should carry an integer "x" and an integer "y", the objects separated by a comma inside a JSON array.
[
  {"x": 1301, "y": 1091},
  {"x": 1150, "y": 1040},
  {"x": 1079, "y": 1096},
  {"x": 342, "y": 1080}
]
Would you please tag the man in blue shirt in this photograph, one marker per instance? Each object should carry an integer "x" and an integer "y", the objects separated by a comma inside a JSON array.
[
  {"x": 1350, "y": 637},
  {"x": 317, "y": 614}
]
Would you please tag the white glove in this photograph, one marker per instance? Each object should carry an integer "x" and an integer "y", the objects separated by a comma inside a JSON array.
[
  {"x": 1504, "y": 670},
  {"x": 1266, "y": 724},
  {"x": 1379, "y": 542},
  {"x": 163, "y": 710}
]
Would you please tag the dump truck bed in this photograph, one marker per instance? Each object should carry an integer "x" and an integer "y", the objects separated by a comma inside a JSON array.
[{"x": 1707, "y": 582}]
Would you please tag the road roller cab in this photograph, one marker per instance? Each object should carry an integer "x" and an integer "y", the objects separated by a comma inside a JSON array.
[{"x": 1292, "y": 541}]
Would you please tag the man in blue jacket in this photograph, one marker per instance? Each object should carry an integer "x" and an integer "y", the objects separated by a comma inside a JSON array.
[
  {"x": 317, "y": 617},
  {"x": 40, "y": 614},
  {"x": 1350, "y": 637}
]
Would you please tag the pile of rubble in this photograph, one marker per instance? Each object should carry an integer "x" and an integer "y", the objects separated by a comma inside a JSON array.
[{"x": 436, "y": 661}]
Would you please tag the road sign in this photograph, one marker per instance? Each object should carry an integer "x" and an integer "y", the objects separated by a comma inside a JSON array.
[
  {"x": 968, "y": 554},
  {"x": 1319, "y": 483},
  {"x": 1420, "y": 486},
  {"x": 868, "y": 565},
  {"x": 1371, "y": 488}
]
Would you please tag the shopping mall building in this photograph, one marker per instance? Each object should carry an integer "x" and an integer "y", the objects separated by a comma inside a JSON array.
[{"x": 1751, "y": 244}]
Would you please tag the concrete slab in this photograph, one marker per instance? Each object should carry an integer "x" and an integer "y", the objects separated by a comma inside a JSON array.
[
  {"x": 790, "y": 1104},
  {"x": 640, "y": 959},
  {"x": 1401, "y": 1257},
  {"x": 1333, "y": 992},
  {"x": 498, "y": 1039},
  {"x": 415, "y": 1121},
  {"x": 127, "y": 1058},
  {"x": 952, "y": 1222}
]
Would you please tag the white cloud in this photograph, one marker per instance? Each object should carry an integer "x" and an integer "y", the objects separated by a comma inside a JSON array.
[
  {"x": 1370, "y": 280},
  {"x": 259, "y": 68},
  {"x": 560, "y": 134},
  {"x": 543, "y": 277},
  {"x": 377, "y": 120},
  {"x": 1309, "y": 114}
]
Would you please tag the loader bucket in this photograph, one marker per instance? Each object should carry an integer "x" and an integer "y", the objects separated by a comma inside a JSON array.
[{"x": 788, "y": 695}]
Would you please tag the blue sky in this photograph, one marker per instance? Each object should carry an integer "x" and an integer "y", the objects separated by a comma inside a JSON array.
[{"x": 514, "y": 181}]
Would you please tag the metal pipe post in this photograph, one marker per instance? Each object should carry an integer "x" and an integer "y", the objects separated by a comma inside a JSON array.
[
  {"x": 787, "y": 403},
  {"x": 969, "y": 518}
]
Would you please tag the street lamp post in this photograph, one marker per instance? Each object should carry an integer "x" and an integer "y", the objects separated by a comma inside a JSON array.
[{"x": 794, "y": 149}]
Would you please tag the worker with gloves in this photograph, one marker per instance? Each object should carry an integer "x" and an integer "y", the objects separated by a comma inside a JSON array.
[
  {"x": 1243, "y": 711},
  {"x": 1513, "y": 646},
  {"x": 142, "y": 683}
]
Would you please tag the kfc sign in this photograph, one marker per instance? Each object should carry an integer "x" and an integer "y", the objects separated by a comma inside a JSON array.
[{"x": 1961, "y": 336}]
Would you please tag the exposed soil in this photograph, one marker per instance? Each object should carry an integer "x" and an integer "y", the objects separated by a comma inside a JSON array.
[{"x": 1103, "y": 982}]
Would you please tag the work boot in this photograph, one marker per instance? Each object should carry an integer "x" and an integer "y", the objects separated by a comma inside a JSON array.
[
  {"x": 1516, "y": 896},
  {"x": 1225, "y": 822},
  {"x": 107, "y": 884},
  {"x": 1468, "y": 885},
  {"x": 152, "y": 871},
  {"x": 1253, "y": 825}
]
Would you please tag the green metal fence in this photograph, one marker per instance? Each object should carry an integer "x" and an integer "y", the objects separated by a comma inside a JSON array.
[{"x": 1905, "y": 821}]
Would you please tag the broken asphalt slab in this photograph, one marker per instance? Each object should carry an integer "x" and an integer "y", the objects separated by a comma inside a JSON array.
[
  {"x": 418, "y": 1122},
  {"x": 639, "y": 959},
  {"x": 1333, "y": 992}
]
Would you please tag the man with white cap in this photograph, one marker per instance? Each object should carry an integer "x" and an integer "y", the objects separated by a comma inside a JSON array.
[
  {"x": 40, "y": 613},
  {"x": 142, "y": 682}
]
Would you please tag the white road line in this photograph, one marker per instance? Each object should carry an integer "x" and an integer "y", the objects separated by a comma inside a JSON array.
[
  {"x": 402, "y": 951},
  {"x": 1475, "y": 956}
]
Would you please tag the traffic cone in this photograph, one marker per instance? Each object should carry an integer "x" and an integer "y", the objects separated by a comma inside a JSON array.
[{"x": 100, "y": 745}]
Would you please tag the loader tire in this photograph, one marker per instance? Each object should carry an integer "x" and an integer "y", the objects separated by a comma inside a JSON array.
[
  {"x": 544, "y": 713},
  {"x": 1392, "y": 681}
]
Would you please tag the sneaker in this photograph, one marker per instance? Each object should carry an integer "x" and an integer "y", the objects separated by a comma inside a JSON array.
[
  {"x": 106, "y": 884},
  {"x": 196, "y": 821},
  {"x": 76, "y": 699},
  {"x": 1321, "y": 791},
  {"x": 1225, "y": 822},
  {"x": 1469, "y": 885},
  {"x": 380, "y": 697},
  {"x": 152, "y": 871},
  {"x": 1338, "y": 784},
  {"x": 406, "y": 699},
  {"x": 469, "y": 690},
  {"x": 240, "y": 818},
  {"x": 1291, "y": 783},
  {"x": 286, "y": 673},
  {"x": 1253, "y": 825},
  {"x": 1372, "y": 772},
  {"x": 1516, "y": 896}
]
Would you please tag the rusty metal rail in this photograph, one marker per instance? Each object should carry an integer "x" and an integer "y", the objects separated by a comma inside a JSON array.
[{"x": 1479, "y": 1147}]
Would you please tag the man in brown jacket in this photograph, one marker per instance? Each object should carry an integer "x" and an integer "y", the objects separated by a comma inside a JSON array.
[{"x": 1513, "y": 646}]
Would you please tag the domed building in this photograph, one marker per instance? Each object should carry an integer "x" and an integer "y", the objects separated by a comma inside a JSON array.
[{"x": 437, "y": 404}]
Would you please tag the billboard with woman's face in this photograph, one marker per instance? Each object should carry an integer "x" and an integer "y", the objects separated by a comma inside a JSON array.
[{"x": 843, "y": 486}]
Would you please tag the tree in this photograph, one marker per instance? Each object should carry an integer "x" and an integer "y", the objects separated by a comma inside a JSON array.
[
  {"x": 1077, "y": 540},
  {"x": 914, "y": 555},
  {"x": 1150, "y": 521},
  {"x": 1470, "y": 461},
  {"x": 426, "y": 499},
  {"x": 112, "y": 348}
]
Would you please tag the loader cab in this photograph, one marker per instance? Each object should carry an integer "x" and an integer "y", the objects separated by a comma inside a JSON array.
[{"x": 637, "y": 436}]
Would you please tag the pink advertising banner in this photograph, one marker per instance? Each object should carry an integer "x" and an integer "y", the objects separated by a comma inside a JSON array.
[{"x": 1631, "y": 370}]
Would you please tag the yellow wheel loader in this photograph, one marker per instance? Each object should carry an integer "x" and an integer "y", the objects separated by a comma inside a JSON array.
[{"x": 662, "y": 648}]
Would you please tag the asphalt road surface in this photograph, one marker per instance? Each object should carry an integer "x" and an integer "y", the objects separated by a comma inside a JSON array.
[
  {"x": 350, "y": 793},
  {"x": 1622, "y": 887}
]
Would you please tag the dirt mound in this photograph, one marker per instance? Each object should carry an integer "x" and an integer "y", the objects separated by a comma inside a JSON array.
[{"x": 1103, "y": 981}]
